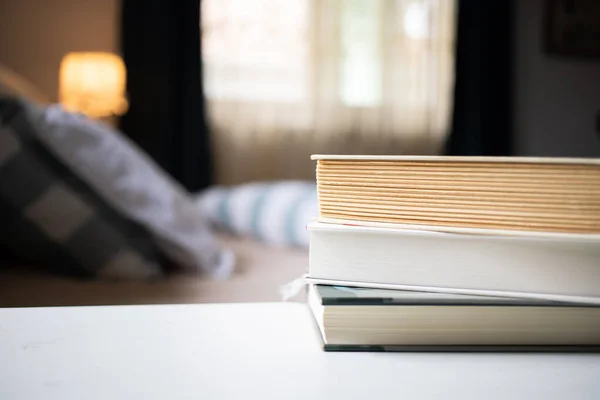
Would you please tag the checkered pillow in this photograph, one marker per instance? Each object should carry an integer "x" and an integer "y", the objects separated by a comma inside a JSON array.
[{"x": 52, "y": 217}]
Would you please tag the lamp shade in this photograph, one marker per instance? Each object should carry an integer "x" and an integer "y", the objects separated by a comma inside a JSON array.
[{"x": 93, "y": 83}]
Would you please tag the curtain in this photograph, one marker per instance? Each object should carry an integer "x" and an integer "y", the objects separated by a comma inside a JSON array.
[
  {"x": 161, "y": 49},
  {"x": 482, "y": 123},
  {"x": 286, "y": 79}
]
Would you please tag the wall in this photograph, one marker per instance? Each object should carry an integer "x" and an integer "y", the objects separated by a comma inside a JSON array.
[
  {"x": 556, "y": 100},
  {"x": 34, "y": 35}
]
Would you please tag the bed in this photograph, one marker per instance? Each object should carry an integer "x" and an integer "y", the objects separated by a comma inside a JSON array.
[
  {"x": 263, "y": 263},
  {"x": 261, "y": 270}
]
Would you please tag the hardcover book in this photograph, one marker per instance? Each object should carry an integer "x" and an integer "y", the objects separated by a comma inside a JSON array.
[
  {"x": 563, "y": 267},
  {"x": 360, "y": 319},
  {"x": 462, "y": 194}
]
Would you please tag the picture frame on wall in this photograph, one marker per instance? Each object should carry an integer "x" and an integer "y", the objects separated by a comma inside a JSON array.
[{"x": 572, "y": 28}]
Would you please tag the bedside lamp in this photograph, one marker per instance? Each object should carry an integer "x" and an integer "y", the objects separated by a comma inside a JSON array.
[{"x": 93, "y": 84}]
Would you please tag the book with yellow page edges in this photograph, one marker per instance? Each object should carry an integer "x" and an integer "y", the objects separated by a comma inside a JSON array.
[
  {"x": 501, "y": 193},
  {"x": 507, "y": 226}
]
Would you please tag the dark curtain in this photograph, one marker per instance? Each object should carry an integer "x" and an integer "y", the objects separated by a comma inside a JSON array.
[
  {"x": 161, "y": 50},
  {"x": 481, "y": 123}
]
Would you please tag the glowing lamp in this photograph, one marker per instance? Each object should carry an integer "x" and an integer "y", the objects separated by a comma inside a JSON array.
[{"x": 93, "y": 84}]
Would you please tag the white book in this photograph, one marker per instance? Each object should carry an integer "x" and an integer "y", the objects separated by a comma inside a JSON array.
[{"x": 558, "y": 267}]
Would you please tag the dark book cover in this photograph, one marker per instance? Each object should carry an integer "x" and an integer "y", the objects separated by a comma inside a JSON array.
[{"x": 342, "y": 295}]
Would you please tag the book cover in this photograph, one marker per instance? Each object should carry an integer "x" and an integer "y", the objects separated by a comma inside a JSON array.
[
  {"x": 361, "y": 296},
  {"x": 466, "y": 159},
  {"x": 333, "y": 300},
  {"x": 560, "y": 268}
]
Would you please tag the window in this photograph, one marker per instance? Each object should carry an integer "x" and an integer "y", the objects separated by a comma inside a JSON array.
[
  {"x": 344, "y": 76},
  {"x": 255, "y": 50}
]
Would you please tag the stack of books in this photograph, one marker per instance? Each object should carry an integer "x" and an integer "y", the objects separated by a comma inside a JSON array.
[{"x": 456, "y": 253}]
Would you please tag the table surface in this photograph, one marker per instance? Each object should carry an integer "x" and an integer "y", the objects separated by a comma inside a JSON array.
[{"x": 254, "y": 351}]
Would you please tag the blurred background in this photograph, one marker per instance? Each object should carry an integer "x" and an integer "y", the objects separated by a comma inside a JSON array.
[
  {"x": 231, "y": 97},
  {"x": 231, "y": 91}
]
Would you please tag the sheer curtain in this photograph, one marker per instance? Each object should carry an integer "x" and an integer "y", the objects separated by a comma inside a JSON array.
[{"x": 285, "y": 79}]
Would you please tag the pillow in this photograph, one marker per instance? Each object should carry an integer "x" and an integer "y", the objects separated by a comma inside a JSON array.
[
  {"x": 50, "y": 216},
  {"x": 126, "y": 181},
  {"x": 273, "y": 212}
]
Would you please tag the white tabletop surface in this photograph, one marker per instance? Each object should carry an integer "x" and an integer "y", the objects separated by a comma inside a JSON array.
[{"x": 253, "y": 351}]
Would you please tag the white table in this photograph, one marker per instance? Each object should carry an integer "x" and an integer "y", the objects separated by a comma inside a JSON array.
[{"x": 249, "y": 351}]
